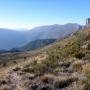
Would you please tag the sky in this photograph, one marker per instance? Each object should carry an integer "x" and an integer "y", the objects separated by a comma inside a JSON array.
[{"x": 32, "y": 13}]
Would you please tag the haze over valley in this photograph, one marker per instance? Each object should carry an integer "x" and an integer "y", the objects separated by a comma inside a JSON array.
[{"x": 11, "y": 38}]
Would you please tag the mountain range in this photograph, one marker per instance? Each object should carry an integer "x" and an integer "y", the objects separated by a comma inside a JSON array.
[
  {"x": 33, "y": 45},
  {"x": 11, "y": 38}
]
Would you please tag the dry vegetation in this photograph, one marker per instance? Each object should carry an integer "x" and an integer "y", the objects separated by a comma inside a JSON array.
[{"x": 64, "y": 65}]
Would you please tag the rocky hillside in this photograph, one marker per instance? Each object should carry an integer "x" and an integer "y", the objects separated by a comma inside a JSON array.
[{"x": 64, "y": 65}]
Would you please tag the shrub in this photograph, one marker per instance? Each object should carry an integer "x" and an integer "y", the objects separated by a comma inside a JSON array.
[
  {"x": 87, "y": 86},
  {"x": 88, "y": 35},
  {"x": 34, "y": 62},
  {"x": 25, "y": 58},
  {"x": 3, "y": 82},
  {"x": 4, "y": 65},
  {"x": 86, "y": 70},
  {"x": 34, "y": 87},
  {"x": 77, "y": 66},
  {"x": 46, "y": 88},
  {"x": 45, "y": 79},
  {"x": 86, "y": 82},
  {"x": 88, "y": 46},
  {"x": 80, "y": 38},
  {"x": 57, "y": 69},
  {"x": 38, "y": 69},
  {"x": 79, "y": 55},
  {"x": 17, "y": 69},
  {"x": 64, "y": 82},
  {"x": 87, "y": 56},
  {"x": 15, "y": 62}
]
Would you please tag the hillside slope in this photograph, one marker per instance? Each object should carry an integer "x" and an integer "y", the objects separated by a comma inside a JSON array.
[
  {"x": 55, "y": 31},
  {"x": 67, "y": 64},
  {"x": 64, "y": 65}
]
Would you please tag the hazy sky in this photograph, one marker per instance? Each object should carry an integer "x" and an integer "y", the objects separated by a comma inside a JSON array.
[{"x": 31, "y": 13}]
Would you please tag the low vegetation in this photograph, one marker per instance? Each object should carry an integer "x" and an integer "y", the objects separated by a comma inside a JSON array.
[
  {"x": 67, "y": 65},
  {"x": 61, "y": 60}
]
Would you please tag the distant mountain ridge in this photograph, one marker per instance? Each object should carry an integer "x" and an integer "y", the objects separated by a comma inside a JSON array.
[
  {"x": 33, "y": 45},
  {"x": 10, "y": 38},
  {"x": 53, "y": 31}
]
